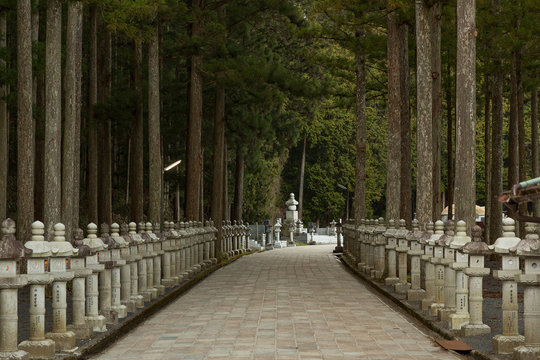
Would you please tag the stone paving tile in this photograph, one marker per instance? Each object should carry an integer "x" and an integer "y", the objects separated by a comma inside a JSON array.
[{"x": 293, "y": 303}]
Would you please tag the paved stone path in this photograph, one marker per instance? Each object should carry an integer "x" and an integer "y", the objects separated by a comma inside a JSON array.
[{"x": 293, "y": 303}]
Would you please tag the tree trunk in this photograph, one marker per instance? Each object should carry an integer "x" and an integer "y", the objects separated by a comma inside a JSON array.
[
  {"x": 226, "y": 210},
  {"x": 92, "y": 189},
  {"x": 466, "y": 113},
  {"x": 424, "y": 113},
  {"x": 435, "y": 28},
  {"x": 4, "y": 125},
  {"x": 521, "y": 137},
  {"x": 52, "y": 210},
  {"x": 534, "y": 142},
  {"x": 239, "y": 185},
  {"x": 513, "y": 137},
  {"x": 495, "y": 207},
  {"x": 25, "y": 124},
  {"x": 393, "y": 183},
  {"x": 39, "y": 103},
  {"x": 218, "y": 164},
  {"x": 104, "y": 150},
  {"x": 449, "y": 144},
  {"x": 487, "y": 151},
  {"x": 193, "y": 150},
  {"x": 360, "y": 186},
  {"x": 405, "y": 206},
  {"x": 154, "y": 130},
  {"x": 35, "y": 40},
  {"x": 72, "y": 83},
  {"x": 78, "y": 54},
  {"x": 137, "y": 143},
  {"x": 302, "y": 172}
]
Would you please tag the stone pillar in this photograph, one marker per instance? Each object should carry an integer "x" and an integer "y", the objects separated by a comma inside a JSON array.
[
  {"x": 338, "y": 249},
  {"x": 158, "y": 250},
  {"x": 390, "y": 247},
  {"x": 11, "y": 252},
  {"x": 125, "y": 270},
  {"x": 379, "y": 244},
  {"x": 134, "y": 266},
  {"x": 402, "y": 286},
  {"x": 438, "y": 265},
  {"x": 360, "y": 243},
  {"x": 529, "y": 250},
  {"x": 429, "y": 267},
  {"x": 119, "y": 263},
  {"x": 461, "y": 316},
  {"x": 509, "y": 339},
  {"x": 277, "y": 230},
  {"x": 142, "y": 266},
  {"x": 476, "y": 270},
  {"x": 449, "y": 274},
  {"x": 37, "y": 346},
  {"x": 415, "y": 240},
  {"x": 62, "y": 251}
]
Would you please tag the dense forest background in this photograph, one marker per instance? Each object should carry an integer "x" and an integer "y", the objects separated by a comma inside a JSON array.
[{"x": 280, "y": 79}]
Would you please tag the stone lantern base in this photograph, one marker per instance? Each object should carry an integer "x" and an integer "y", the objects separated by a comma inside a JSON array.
[
  {"x": 63, "y": 341},
  {"x": 39, "y": 349},
  {"x": 14, "y": 355},
  {"x": 527, "y": 353},
  {"x": 416, "y": 294},
  {"x": 473, "y": 330},
  {"x": 82, "y": 331},
  {"x": 505, "y": 344},
  {"x": 457, "y": 321},
  {"x": 98, "y": 323}
]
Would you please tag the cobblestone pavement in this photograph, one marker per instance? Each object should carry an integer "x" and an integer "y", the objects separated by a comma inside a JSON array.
[{"x": 293, "y": 303}]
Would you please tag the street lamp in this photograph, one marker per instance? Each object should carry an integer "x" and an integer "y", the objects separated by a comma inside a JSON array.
[{"x": 343, "y": 187}]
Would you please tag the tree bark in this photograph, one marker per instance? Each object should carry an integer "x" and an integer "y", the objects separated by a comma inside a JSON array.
[
  {"x": 25, "y": 124},
  {"x": 154, "y": 130},
  {"x": 495, "y": 207},
  {"x": 466, "y": 113},
  {"x": 218, "y": 164},
  {"x": 92, "y": 185},
  {"x": 360, "y": 185},
  {"x": 393, "y": 183},
  {"x": 226, "y": 210},
  {"x": 39, "y": 103},
  {"x": 449, "y": 145},
  {"x": 405, "y": 207},
  {"x": 424, "y": 143},
  {"x": 137, "y": 143},
  {"x": 194, "y": 150},
  {"x": 239, "y": 185},
  {"x": 104, "y": 150},
  {"x": 534, "y": 142},
  {"x": 435, "y": 28},
  {"x": 487, "y": 151},
  {"x": 302, "y": 172},
  {"x": 4, "y": 125},
  {"x": 513, "y": 137},
  {"x": 72, "y": 81},
  {"x": 521, "y": 137},
  {"x": 52, "y": 210}
]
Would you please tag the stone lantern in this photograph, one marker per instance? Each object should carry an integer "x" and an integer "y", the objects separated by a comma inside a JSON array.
[
  {"x": 402, "y": 248},
  {"x": 461, "y": 262},
  {"x": 105, "y": 276},
  {"x": 391, "y": 245},
  {"x": 429, "y": 268},
  {"x": 166, "y": 246},
  {"x": 61, "y": 253},
  {"x": 529, "y": 250},
  {"x": 449, "y": 273},
  {"x": 362, "y": 252},
  {"x": 79, "y": 326},
  {"x": 277, "y": 229},
  {"x": 95, "y": 244},
  {"x": 379, "y": 245},
  {"x": 156, "y": 246},
  {"x": 11, "y": 252},
  {"x": 476, "y": 249},
  {"x": 38, "y": 277},
  {"x": 125, "y": 271},
  {"x": 134, "y": 266},
  {"x": 333, "y": 227},
  {"x": 509, "y": 339},
  {"x": 438, "y": 241},
  {"x": 415, "y": 240},
  {"x": 117, "y": 246}
]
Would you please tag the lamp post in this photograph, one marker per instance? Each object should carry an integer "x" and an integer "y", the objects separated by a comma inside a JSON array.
[{"x": 343, "y": 187}]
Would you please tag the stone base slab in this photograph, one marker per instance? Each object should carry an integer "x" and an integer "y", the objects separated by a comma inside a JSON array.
[
  {"x": 160, "y": 289},
  {"x": 505, "y": 344},
  {"x": 378, "y": 274},
  {"x": 401, "y": 288},
  {"x": 121, "y": 311},
  {"x": 146, "y": 295},
  {"x": 14, "y": 355},
  {"x": 444, "y": 313},
  {"x": 473, "y": 330},
  {"x": 42, "y": 349},
  {"x": 456, "y": 321},
  {"x": 167, "y": 282},
  {"x": 64, "y": 342},
  {"x": 416, "y": 294},
  {"x": 527, "y": 353},
  {"x": 338, "y": 249},
  {"x": 214, "y": 261},
  {"x": 139, "y": 301},
  {"x": 98, "y": 323},
  {"x": 130, "y": 305},
  {"x": 82, "y": 331},
  {"x": 111, "y": 316},
  {"x": 390, "y": 281},
  {"x": 425, "y": 303},
  {"x": 435, "y": 308},
  {"x": 153, "y": 293}
]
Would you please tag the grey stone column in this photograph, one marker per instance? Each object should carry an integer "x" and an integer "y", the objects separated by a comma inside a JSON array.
[
  {"x": 390, "y": 247},
  {"x": 402, "y": 248}
]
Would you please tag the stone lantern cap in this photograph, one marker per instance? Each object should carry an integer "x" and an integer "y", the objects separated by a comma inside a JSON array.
[
  {"x": 413, "y": 237},
  {"x": 391, "y": 230},
  {"x": 92, "y": 241},
  {"x": 476, "y": 246},
  {"x": 153, "y": 237},
  {"x": 10, "y": 248},
  {"x": 106, "y": 237},
  {"x": 445, "y": 239},
  {"x": 402, "y": 232},
  {"x": 508, "y": 240},
  {"x": 119, "y": 240},
  {"x": 530, "y": 245},
  {"x": 461, "y": 238},
  {"x": 439, "y": 231},
  {"x": 78, "y": 241},
  {"x": 291, "y": 203},
  {"x": 59, "y": 246},
  {"x": 38, "y": 245}
]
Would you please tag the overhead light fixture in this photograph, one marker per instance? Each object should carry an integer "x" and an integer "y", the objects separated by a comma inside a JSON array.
[{"x": 173, "y": 165}]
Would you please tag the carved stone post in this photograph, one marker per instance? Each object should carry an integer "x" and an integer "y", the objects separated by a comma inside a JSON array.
[
  {"x": 402, "y": 248},
  {"x": 461, "y": 316},
  {"x": 391, "y": 244},
  {"x": 415, "y": 239},
  {"x": 432, "y": 296}
]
